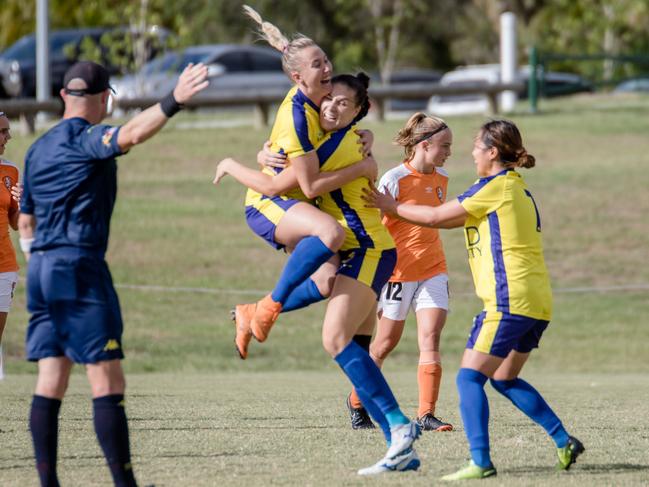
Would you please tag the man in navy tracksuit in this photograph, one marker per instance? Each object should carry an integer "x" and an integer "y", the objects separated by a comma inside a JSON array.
[{"x": 70, "y": 186}]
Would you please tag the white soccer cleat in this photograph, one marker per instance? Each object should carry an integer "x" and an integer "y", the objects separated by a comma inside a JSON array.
[
  {"x": 403, "y": 436},
  {"x": 409, "y": 460}
]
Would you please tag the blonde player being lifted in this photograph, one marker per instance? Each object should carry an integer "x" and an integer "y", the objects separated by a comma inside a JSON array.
[
  {"x": 419, "y": 281},
  {"x": 369, "y": 255}
]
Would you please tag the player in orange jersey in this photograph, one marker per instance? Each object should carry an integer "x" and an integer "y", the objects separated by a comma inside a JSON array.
[
  {"x": 419, "y": 281},
  {"x": 8, "y": 218}
]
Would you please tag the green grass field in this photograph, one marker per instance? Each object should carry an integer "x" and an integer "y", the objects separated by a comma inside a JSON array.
[
  {"x": 201, "y": 416},
  {"x": 291, "y": 428}
]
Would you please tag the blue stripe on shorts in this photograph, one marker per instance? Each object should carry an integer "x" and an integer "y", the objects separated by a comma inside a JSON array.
[
  {"x": 353, "y": 261},
  {"x": 261, "y": 225},
  {"x": 512, "y": 332}
]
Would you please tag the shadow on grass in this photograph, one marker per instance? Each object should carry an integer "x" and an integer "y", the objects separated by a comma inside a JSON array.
[
  {"x": 605, "y": 468},
  {"x": 231, "y": 428},
  {"x": 30, "y": 460},
  {"x": 200, "y": 455}
]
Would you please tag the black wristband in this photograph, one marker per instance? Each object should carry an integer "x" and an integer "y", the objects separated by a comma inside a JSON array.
[{"x": 169, "y": 105}]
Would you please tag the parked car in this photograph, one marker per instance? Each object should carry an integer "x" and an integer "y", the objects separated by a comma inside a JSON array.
[
  {"x": 464, "y": 104},
  {"x": 558, "y": 84},
  {"x": 18, "y": 61},
  {"x": 633, "y": 85},
  {"x": 231, "y": 67},
  {"x": 554, "y": 84}
]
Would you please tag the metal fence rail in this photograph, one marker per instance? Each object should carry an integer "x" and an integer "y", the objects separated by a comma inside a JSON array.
[
  {"x": 263, "y": 99},
  {"x": 26, "y": 109}
]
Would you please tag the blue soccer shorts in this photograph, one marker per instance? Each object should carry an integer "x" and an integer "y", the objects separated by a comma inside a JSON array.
[
  {"x": 74, "y": 308},
  {"x": 499, "y": 333},
  {"x": 372, "y": 267},
  {"x": 264, "y": 215}
]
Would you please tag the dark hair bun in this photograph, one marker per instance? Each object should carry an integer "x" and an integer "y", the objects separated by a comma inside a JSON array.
[
  {"x": 525, "y": 160},
  {"x": 364, "y": 79}
]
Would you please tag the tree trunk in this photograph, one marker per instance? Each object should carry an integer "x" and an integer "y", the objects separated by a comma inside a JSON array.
[{"x": 386, "y": 49}]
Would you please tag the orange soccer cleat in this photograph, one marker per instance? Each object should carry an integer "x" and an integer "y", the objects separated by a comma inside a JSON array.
[
  {"x": 242, "y": 315},
  {"x": 266, "y": 314}
]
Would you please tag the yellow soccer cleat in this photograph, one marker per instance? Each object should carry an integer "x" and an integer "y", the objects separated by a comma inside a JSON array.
[
  {"x": 471, "y": 471},
  {"x": 569, "y": 453}
]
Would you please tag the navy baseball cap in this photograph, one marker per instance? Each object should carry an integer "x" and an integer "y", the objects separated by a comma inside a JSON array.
[{"x": 95, "y": 77}]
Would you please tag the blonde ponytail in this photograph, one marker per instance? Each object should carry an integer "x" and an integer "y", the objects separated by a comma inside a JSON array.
[{"x": 289, "y": 48}]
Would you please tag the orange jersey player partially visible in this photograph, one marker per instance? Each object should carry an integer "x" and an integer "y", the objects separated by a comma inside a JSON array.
[
  {"x": 9, "y": 195},
  {"x": 419, "y": 280}
]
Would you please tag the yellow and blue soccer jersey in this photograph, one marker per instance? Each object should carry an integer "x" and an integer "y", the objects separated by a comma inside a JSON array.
[
  {"x": 503, "y": 240},
  {"x": 296, "y": 131},
  {"x": 363, "y": 226},
  {"x": 297, "y": 126}
]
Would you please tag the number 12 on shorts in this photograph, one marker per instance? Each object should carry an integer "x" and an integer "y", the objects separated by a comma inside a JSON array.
[{"x": 393, "y": 291}]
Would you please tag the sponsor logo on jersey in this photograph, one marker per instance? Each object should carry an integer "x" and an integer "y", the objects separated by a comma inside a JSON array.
[
  {"x": 108, "y": 136},
  {"x": 8, "y": 182},
  {"x": 428, "y": 189},
  {"x": 440, "y": 194}
]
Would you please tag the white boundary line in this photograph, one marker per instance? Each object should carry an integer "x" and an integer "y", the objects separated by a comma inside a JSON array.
[{"x": 258, "y": 292}]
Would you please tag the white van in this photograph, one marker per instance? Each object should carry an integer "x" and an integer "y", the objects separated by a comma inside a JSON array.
[
  {"x": 554, "y": 84},
  {"x": 465, "y": 104}
]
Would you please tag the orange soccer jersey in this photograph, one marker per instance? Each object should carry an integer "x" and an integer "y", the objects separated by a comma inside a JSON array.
[
  {"x": 9, "y": 177},
  {"x": 419, "y": 249}
]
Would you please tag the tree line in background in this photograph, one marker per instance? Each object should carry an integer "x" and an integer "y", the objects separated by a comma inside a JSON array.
[{"x": 376, "y": 35}]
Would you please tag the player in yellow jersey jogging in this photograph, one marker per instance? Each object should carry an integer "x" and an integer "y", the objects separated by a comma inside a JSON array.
[{"x": 502, "y": 228}]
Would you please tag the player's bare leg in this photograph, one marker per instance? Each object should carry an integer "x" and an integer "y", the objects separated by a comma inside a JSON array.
[{"x": 315, "y": 238}]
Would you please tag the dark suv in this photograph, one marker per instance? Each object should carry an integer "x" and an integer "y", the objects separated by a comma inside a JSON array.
[{"x": 18, "y": 62}]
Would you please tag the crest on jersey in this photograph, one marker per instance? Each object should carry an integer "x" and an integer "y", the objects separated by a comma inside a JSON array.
[
  {"x": 8, "y": 182},
  {"x": 440, "y": 194},
  {"x": 108, "y": 136}
]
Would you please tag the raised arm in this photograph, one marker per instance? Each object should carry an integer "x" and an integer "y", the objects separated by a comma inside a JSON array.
[
  {"x": 315, "y": 183},
  {"x": 147, "y": 123},
  {"x": 449, "y": 215},
  {"x": 256, "y": 180}
]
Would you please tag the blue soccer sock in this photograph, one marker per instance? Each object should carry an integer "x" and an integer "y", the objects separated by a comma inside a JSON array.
[
  {"x": 371, "y": 387},
  {"x": 309, "y": 254},
  {"x": 474, "y": 408},
  {"x": 302, "y": 296},
  {"x": 530, "y": 402},
  {"x": 44, "y": 425},
  {"x": 396, "y": 417},
  {"x": 112, "y": 433},
  {"x": 364, "y": 341}
]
